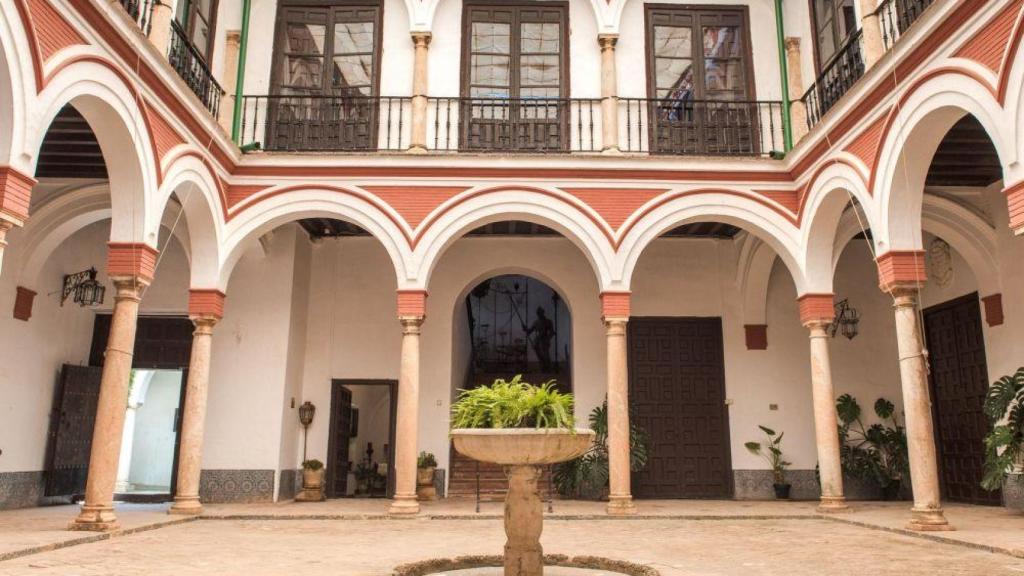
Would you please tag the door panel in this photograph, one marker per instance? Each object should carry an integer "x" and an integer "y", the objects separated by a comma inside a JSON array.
[
  {"x": 71, "y": 429},
  {"x": 341, "y": 431},
  {"x": 677, "y": 395},
  {"x": 959, "y": 384}
]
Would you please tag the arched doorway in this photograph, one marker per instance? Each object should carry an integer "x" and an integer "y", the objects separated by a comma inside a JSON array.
[{"x": 517, "y": 325}]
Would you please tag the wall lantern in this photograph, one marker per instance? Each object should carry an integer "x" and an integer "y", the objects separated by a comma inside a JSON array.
[
  {"x": 306, "y": 413},
  {"x": 87, "y": 291},
  {"x": 847, "y": 320}
]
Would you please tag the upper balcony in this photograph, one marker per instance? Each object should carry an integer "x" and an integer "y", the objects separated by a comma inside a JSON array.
[{"x": 673, "y": 80}]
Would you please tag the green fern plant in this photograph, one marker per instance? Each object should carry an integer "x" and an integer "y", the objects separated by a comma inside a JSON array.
[
  {"x": 513, "y": 404},
  {"x": 1004, "y": 445}
]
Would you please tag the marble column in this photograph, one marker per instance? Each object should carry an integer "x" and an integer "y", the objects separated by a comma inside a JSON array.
[
  {"x": 97, "y": 513},
  {"x": 797, "y": 108},
  {"x": 926, "y": 515},
  {"x": 420, "y": 87},
  {"x": 411, "y": 314},
  {"x": 616, "y": 316},
  {"x": 5, "y": 227},
  {"x": 873, "y": 48},
  {"x": 609, "y": 94},
  {"x": 160, "y": 26},
  {"x": 190, "y": 454},
  {"x": 826, "y": 421}
]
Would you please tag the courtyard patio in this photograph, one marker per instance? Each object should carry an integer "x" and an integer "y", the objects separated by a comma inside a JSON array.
[{"x": 355, "y": 537}]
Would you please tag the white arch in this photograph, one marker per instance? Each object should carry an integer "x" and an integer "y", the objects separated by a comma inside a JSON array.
[
  {"x": 109, "y": 106},
  {"x": 17, "y": 80},
  {"x": 731, "y": 207},
  {"x": 753, "y": 276},
  {"x": 967, "y": 232},
  {"x": 313, "y": 202},
  {"x": 919, "y": 127},
  {"x": 553, "y": 208},
  {"x": 828, "y": 200},
  {"x": 189, "y": 179}
]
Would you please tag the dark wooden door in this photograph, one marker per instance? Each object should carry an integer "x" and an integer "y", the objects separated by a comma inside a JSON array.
[
  {"x": 677, "y": 395},
  {"x": 515, "y": 75},
  {"x": 959, "y": 383},
  {"x": 71, "y": 428},
  {"x": 340, "y": 434},
  {"x": 699, "y": 81}
]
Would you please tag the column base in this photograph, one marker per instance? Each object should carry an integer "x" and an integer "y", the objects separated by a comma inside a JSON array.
[
  {"x": 929, "y": 520},
  {"x": 404, "y": 505},
  {"x": 621, "y": 506},
  {"x": 186, "y": 506},
  {"x": 833, "y": 505},
  {"x": 611, "y": 150},
  {"x": 95, "y": 519},
  {"x": 417, "y": 149}
]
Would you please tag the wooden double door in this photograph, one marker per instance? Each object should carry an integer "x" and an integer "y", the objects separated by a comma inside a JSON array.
[
  {"x": 677, "y": 396},
  {"x": 959, "y": 383}
]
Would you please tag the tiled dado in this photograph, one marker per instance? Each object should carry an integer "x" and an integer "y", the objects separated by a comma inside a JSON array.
[
  {"x": 757, "y": 485},
  {"x": 236, "y": 486},
  {"x": 21, "y": 489}
]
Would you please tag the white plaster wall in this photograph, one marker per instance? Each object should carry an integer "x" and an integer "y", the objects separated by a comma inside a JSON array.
[
  {"x": 153, "y": 444},
  {"x": 33, "y": 352},
  {"x": 296, "y": 357}
]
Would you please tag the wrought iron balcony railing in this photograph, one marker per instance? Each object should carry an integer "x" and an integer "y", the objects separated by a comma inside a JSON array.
[
  {"x": 191, "y": 66},
  {"x": 837, "y": 78},
  {"x": 896, "y": 16},
  {"x": 142, "y": 12},
  {"x": 313, "y": 123}
]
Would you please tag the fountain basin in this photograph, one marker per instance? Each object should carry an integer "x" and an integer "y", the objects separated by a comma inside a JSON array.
[{"x": 522, "y": 446}]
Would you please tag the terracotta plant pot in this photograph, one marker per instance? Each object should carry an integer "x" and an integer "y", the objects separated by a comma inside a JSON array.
[
  {"x": 523, "y": 451},
  {"x": 425, "y": 489},
  {"x": 312, "y": 479}
]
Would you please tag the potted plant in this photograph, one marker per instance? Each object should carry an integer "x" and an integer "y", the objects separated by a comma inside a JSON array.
[
  {"x": 1004, "y": 445},
  {"x": 587, "y": 477},
  {"x": 312, "y": 481},
  {"x": 875, "y": 453},
  {"x": 425, "y": 466},
  {"x": 772, "y": 453},
  {"x": 523, "y": 427}
]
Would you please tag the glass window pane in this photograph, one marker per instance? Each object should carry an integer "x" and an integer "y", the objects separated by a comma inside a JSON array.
[
  {"x": 826, "y": 45},
  {"x": 200, "y": 35},
  {"x": 350, "y": 71},
  {"x": 674, "y": 73},
  {"x": 303, "y": 71},
  {"x": 540, "y": 37},
  {"x": 539, "y": 70},
  {"x": 723, "y": 75},
  {"x": 491, "y": 70},
  {"x": 352, "y": 37},
  {"x": 491, "y": 37},
  {"x": 306, "y": 38},
  {"x": 673, "y": 41},
  {"x": 488, "y": 92},
  {"x": 722, "y": 42}
]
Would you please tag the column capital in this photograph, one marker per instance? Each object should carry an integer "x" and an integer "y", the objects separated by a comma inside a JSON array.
[
  {"x": 421, "y": 38},
  {"x": 817, "y": 309},
  {"x": 129, "y": 287},
  {"x": 901, "y": 269},
  {"x": 615, "y": 306},
  {"x": 1015, "y": 203},
  {"x": 134, "y": 260},
  {"x": 607, "y": 41},
  {"x": 205, "y": 303},
  {"x": 792, "y": 43},
  {"x": 15, "y": 194}
]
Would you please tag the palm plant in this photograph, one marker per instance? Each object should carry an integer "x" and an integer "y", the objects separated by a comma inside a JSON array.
[
  {"x": 1004, "y": 445},
  {"x": 513, "y": 404},
  {"x": 877, "y": 452},
  {"x": 587, "y": 476}
]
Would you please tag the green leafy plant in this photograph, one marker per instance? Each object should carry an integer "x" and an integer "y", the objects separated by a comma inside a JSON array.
[
  {"x": 587, "y": 476},
  {"x": 313, "y": 465},
  {"x": 426, "y": 460},
  {"x": 877, "y": 452},
  {"x": 1004, "y": 445},
  {"x": 772, "y": 453},
  {"x": 513, "y": 404}
]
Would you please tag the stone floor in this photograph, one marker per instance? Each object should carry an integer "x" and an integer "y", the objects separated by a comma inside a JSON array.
[{"x": 352, "y": 538}]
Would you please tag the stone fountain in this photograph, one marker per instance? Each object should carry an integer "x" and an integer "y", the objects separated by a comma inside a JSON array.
[{"x": 523, "y": 451}]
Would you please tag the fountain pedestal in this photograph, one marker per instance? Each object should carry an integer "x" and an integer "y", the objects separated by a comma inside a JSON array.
[{"x": 523, "y": 451}]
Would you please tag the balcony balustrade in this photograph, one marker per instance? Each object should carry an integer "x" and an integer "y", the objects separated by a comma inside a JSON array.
[
  {"x": 142, "y": 12},
  {"x": 896, "y": 16},
  {"x": 191, "y": 66},
  {"x": 308, "y": 123},
  {"x": 837, "y": 78}
]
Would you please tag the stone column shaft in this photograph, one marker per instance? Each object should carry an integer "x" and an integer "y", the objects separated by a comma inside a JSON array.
[
  {"x": 420, "y": 87},
  {"x": 5, "y": 227},
  {"x": 609, "y": 94},
  {"x": 97, "y": 512},
  {"x": 615, "y": 307},
  {"x": 927, "y": 512},
  {"x": 797, "y": 108},
  {"x": 406, "y": 441},
  {"x": 873, "y": 47},
  {"x": 160, "y": 26},
  {"x": 826, "y": 421},
  {"x": 190, "y": 455}
]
